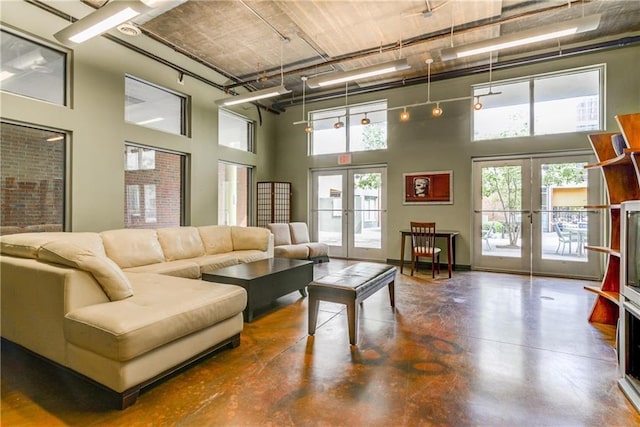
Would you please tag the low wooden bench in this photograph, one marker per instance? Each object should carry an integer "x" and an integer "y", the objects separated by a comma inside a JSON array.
[{"x": 350, "y": 286}]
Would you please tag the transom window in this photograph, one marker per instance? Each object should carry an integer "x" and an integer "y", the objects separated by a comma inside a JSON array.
[
  {"x": 32, "y": 69},
  {"x": 569, "y": 101},
  {"x": 235, "y": 131},
  {"x": 344, "y": 129},
  {"x": 154, "y": 107}
]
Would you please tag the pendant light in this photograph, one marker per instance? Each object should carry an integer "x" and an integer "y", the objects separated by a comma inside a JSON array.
[
  {"x": 405, "y": 116},
  {"x": 308, "y": 128},
  {"x": 365, "y": 120}
]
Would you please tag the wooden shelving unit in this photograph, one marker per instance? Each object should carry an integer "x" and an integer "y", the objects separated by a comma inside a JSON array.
[{"x": 621, "y": 175}]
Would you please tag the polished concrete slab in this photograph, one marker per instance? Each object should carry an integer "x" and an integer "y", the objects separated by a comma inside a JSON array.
[{"x": 477, "y": 349}]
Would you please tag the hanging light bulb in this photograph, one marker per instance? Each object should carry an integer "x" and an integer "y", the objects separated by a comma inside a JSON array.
[
  {"x": 338, "y": 124},
  {"x": 308, "y": 128},
  {"x": 437, "y": 111},
  {"x": 365, "y": 120},
  {"x": 477, "y": 105},
  {"x": 404, "y": 116}
]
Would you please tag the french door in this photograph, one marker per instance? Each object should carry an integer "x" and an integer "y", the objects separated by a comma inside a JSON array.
[
  {"x": 349, "y": 211},
  {"x": 530, "y": 216}
]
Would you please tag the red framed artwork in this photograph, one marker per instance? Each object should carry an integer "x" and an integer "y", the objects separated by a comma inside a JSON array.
[{"x": 428, "y": 188}]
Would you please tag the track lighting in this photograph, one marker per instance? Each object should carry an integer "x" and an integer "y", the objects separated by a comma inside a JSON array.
[
  {"x": 405, "y": 116},
  {"x": 437, "y": 111},
  {"x": 365, "y": 120}
]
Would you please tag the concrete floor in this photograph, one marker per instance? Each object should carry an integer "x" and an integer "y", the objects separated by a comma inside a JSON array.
[{"x": 478, "y": 349}]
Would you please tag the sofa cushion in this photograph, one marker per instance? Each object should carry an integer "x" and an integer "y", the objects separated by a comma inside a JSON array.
[
  {"x": 317, "y": 249},
  {"x": 216, "y": 239},
  {"x": 111, "y": 278},
  {"x": 210, "y": 263},
  {"x": 250, "y": 238},
  {"x": 27, "y": 245},
  {"x": 179, "y": 268},
  {"x": 291, "y": 251},
  {"x": 132, "y": 247},
  {"x": 162, "y": 310},
  {"x": 249, "y": 255},
  {"x": 299, "y": 232},
  {"x": 281, "y": 234},
  {"x": 180, "y": 242}
]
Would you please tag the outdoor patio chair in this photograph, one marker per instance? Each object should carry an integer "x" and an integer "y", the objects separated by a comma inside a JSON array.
[{"x": 563, "y": 238}]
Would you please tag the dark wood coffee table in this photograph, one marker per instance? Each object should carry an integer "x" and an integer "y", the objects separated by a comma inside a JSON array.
[{"x": 265, "y": 280}]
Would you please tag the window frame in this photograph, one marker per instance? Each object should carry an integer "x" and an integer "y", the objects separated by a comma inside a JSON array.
[
  {"x": 67, "y": 63},
  {"x": 251, "y": 131},
  {"x": 66, "y": 162},
  {"x": 251, "y": 173},
  {"x": 185, "y": 106},
  {"x": 347, "y": 115},
  {"x": 530, "y": 80},
  {"x": 184, "y": 187}
]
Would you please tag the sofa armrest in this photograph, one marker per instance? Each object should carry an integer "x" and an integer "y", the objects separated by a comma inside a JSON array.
[{"x": 35, "y": 298}]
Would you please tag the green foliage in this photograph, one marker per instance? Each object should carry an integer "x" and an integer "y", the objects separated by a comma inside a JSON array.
[
  {"x": 368, "y": 181},
  {"x": 559, "y": 174}
]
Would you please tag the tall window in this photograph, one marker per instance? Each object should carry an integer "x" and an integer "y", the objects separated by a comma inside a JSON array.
[
  {"x": 341, "y": 130},
  {"x": 33, "y": 179},
  {"x": 154, "y": 107},
  {"x": 32, "y": 69},
  {"x": 235, "y": 131},
  {"x": 570, "y": 101},
  {"x": 154, "y": 188},
  {"x": 234, "y": 194}
]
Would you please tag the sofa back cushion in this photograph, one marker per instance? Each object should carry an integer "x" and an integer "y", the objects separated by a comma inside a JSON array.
[
  {"x": 180, "y": 243},
  {"x": 281, "y": 235},
  {"x": 110, "y": 277},
  {"x": 216, "y": 239},
  {"x": 299, "y": 232},
  {"x": 27, "y": 245},
  {"x": 132, "y": 247},
  {"x": 245, "y": 238}
]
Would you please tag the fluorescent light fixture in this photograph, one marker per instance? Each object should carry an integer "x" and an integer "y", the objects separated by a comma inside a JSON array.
[
  {"x": 55, "y": 138},
  {"x": 107, "y": 17},
  {"x": 360, "y": 73},
  {"x": 539, "y": 34},
  {"x": 154, "y": 120},
  {"x": 253, "y": 96}
]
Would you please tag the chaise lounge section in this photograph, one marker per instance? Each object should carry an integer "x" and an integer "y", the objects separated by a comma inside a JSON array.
[{"x": 121, "y": 307}]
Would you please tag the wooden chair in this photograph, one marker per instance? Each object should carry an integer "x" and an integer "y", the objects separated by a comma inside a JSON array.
[{"x": 423, "y": 244}]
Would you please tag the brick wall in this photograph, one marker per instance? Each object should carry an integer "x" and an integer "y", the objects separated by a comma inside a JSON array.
[
  {"x": 166, "y": 178},
  {"x": 31, "y": 179}
]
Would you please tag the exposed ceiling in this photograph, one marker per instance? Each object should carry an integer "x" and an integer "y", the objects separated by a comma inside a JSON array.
[{"x": 257, "y": 44}]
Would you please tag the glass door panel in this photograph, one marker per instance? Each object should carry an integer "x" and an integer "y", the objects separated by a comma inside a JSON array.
[
  {"x": 328, "y": 215},
  {"x": 501, "y": 215},
  {"x": 349, "y": 212}
]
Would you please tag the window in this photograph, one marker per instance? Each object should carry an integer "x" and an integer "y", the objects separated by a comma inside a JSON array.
[
  {"x": 235, "y": 131},
  {"x": 32, "y": 69},
  {"x": 570, "y": 101},
  {"x": 234, "y": 193},
  {"x": 154, "y": 107},
  {"x": 353, "y": 136},
  {"x": 154, "y": 188},
  {"x": 33, "y": 179}
]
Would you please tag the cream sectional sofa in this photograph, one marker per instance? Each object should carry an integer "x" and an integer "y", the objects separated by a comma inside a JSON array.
[
  {"x": 122, "y": 307},
  {"x": 291, "y": 240}
]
